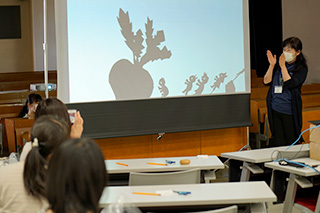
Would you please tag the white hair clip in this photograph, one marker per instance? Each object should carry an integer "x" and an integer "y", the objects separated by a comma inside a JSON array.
[{"x": 35, "y": 142}]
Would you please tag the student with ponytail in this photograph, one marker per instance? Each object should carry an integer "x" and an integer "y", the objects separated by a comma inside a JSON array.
[
  {"x": 22, "y": 185},
  {"x": 55, "y": 107}
]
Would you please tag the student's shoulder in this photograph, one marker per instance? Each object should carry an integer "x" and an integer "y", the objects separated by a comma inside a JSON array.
[
  {"x": 11, "y": 171},
  {"x": 11, "y": 167}
]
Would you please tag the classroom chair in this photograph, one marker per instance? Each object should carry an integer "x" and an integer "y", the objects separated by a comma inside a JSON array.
[{"x": 182, "y": 177}]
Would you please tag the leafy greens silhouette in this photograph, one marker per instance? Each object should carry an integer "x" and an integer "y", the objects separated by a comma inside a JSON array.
[{"x": 134, "y": 41}]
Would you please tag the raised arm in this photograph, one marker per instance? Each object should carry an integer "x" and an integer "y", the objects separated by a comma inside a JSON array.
[
  {"x": 284, "y": 71},
  {"x": 272, "y": 61}
]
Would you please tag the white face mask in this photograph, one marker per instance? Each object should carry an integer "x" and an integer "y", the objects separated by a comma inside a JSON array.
[
  {"x": 35, "y": 107},
  {"x": 288, "y": 56}
]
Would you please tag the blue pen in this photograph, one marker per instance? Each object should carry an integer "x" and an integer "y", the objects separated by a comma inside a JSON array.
[
  {"x": 182, "y": 192},
  {"x": 170, "y": 162}
]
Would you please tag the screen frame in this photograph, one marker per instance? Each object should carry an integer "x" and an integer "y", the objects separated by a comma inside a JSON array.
[{"x": 155, "y": 115}]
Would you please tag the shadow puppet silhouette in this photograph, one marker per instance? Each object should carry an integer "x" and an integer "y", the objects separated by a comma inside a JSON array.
[
  {"x": 129, "y": 80},
  {"x": 230, "y": 87},
  {"x": 163, "y": 88}
]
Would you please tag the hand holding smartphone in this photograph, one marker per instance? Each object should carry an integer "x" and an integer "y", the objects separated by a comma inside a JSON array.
[{"x": 72, "y": 113}]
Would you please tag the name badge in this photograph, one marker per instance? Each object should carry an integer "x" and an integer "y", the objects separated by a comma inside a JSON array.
[{"x": 278, "y": 89}]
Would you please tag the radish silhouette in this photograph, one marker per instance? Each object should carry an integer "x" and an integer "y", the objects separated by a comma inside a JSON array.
[{"x": 129, "y": 80}]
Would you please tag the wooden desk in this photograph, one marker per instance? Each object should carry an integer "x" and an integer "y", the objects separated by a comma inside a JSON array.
[
  {"x": 250, "y": 157},
  {"x": 201, "y": 195},
  {"x": 294, "y": 176},
  {"x": 141, "y": 165},
  {"x": 16, "y": 127}
]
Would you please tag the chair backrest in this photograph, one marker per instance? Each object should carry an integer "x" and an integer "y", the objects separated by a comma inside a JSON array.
[
  {"x": 230, "y": 209},
  {"x": 289, "y": 154},
  {"x": 166, "y": 178}
]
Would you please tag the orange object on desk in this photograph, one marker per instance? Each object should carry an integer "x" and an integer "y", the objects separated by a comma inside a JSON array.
[
  {"x": 144, "y": 193},
  {"x": 159, "y": 164},
  {"x": 122, "y": 164}
]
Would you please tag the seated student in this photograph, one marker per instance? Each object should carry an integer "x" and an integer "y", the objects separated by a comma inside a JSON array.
[
  {"x": 55, "y": 107},
  {"x": 76, "y": 177},
  {"x": 22, "y": 185},
  {"x": 30, "y": 107}
]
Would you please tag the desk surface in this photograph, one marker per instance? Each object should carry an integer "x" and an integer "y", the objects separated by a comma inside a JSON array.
[
  {"x": 201, "y": 194},
  {"x": 306, "y": 172},
  {"x": 261, "y": 155},
  {"x": 141, "y": 164}
]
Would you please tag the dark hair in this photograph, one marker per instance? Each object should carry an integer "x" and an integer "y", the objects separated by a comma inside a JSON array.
[
  {"x": 50, "y": 132},
  {"x": 77, "y": 176},
  {"x": 53, "y": 106},
  {"x": 296, "y": 44},
  {"x": 32, "y": 98}
]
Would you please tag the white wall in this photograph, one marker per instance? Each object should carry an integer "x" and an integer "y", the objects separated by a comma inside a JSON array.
[
  {"x": 37, "y": 23},
  {"x": 301, "y": 18}
]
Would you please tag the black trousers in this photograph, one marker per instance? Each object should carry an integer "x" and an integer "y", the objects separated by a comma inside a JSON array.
[
  {"x": 284, "y": 134},
  {"x": 284, "y": 130}
]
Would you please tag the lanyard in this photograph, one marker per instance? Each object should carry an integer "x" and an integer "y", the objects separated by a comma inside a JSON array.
[
  {"x": 290, "y": 66},
  {"x": 280, "y": 74}
]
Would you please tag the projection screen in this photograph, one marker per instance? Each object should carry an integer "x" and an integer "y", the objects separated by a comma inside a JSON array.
[{"x": 142, "y": 52}]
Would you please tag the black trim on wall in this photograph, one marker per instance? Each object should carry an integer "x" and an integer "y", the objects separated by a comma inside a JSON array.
[
  {"x": 168, "y": 115},
  {"x": 265, "y": 32}
]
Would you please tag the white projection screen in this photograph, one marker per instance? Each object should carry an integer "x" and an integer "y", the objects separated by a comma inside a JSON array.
[{"x": 140, "y": 50}]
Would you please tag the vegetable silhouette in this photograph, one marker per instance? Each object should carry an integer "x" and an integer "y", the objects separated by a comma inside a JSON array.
[{"x": 129, "y": 80}]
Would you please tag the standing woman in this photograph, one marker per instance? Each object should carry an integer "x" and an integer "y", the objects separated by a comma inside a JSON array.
[{"x": 284, "y": 97}]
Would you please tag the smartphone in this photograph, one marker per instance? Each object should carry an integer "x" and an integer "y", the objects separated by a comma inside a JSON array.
[{"x": 72, "y": 113}]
